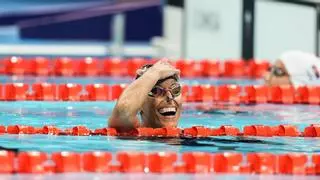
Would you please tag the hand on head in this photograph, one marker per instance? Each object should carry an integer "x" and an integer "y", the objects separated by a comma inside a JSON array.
[{"x": 164, "y": 69}]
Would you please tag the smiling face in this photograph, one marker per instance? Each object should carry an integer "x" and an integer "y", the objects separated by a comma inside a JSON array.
[{"x": 163, "y": 110}]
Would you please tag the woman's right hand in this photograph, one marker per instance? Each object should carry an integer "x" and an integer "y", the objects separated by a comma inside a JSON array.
[{"x": 164, "y": 69}]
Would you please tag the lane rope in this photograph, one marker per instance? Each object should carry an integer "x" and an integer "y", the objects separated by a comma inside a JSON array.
[
  {"x": 160, "y": 162},
  {"x": 190, "y": 93},
  {"x": 90, "y": 66},
  {"x": 283, "y": 130}
]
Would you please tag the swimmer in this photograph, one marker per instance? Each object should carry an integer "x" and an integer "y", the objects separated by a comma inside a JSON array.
[
  {"x": 294, "y": 68},
  {"x": 155, "y": 95}
]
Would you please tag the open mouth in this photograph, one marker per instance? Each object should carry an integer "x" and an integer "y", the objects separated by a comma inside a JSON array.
[{"x": 168, "y": 111}]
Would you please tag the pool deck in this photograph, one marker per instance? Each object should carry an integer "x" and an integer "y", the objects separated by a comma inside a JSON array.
[{"x": 97, "y": 176}]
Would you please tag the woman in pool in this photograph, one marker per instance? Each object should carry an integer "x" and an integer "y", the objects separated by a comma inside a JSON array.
[
  {"x": 155, "y": 95},
  {"x": 294, "y": 68}
]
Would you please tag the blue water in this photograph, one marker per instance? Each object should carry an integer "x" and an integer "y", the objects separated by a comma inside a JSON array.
[{"x": 95, "y": 115}]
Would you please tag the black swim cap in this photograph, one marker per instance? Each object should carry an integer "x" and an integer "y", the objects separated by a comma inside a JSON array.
[{"x": 144, "y": 69}]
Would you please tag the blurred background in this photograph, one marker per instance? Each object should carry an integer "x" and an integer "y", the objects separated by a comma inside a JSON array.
[{"x": 190, "y": 29}]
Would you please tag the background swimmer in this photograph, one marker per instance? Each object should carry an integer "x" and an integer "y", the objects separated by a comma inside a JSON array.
[{"x": 294, "y": 68}]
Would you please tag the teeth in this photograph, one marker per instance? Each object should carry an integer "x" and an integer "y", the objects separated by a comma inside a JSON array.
[{"x": 164, "y": 110}]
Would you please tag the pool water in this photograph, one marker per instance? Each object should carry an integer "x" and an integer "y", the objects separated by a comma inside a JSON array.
[{"x": 95, "y": 114}]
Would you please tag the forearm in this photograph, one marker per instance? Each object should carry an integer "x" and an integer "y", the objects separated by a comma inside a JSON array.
[
  {"x": 132, "y": 99},
  {"x": 137, "y": 92}
]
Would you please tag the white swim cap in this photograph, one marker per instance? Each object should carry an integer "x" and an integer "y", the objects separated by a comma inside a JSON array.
[{"x": 303, "y": 68}]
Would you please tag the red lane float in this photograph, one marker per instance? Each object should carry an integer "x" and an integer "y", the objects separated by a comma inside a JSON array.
[
  {"x": 159, "y": 162},
  {"x": 257, "y": 94},
  {"x": 116, "y": 91},
  {"x": 96, "y": 161},
  {"x": 196, "y": 131},
  {"x": 14, "y": 66},
  {"x": 192, "y": 132},
  {"x": 197, "y": 93},
  {"x": 64, "y": 66},
  {"x": 189, "y": 68},
  {"x": 67, "y": 132},
  {"x": 187, "y": 94},
  {"x": 89, "y": 66},
  {"x": 167, "y": 132},
  {"x": 210, "y": 68},
  {"x": 80, "y": 131},
  {"x": 20, "y": 129},
  {"x": 7, "y": 162},
  {"x": 227, "y": 162},
  {"x": 45, "y": 92},
  {"x": 257, "y": 69},
  {"x": 292, "y": 163},
  {"x": 134, "y": 64},
  {"x": 229, "y": 93},
  {"x": 2, "y": 129},
  {"x": 15, "y": 91},
  {"x": 283, "y": 94},
  {"x": 314, "y": 95},
  {"x": 2, "y": 96},
  {"x": 66, "y": 162},
  {"x": 235, "y": 68},
  {"x": 312, "y": 131},
  {"x": 105, "y": 132},
  {"x": 40, "y": 66},
  {"x": 257, "y": 130},
  {"x": 203, "y": 93},
  {"x": 229, "y": 130},
  {"x": 145, "y": 132},
  {"x": 98, "y": 92},
  {"x": 262, "y": 163},
  {"x": 198, "y": 162},
  {"x": 287, "y": 95},
  {"x": 287, "y": 130},
  {"x": 31, "y": 162},
  {"x": 51, "y": 130},
  {"x": 274, "y": 94},
  {"x": 316, "y": 161},
  {"x": 114, "y": 67},
  {"x": 301, "y": 95},
  {"x": 70, "y": 92},
  {"x": 133, "y": 162}
]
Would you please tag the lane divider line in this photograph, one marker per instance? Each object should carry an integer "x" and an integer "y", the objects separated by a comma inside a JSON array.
[
  {"x": 34, "y": 162},
  {"x": 283, "y": 130},
  {"x": 253, "y": 94},
  {"x": 91, "y": 66}
]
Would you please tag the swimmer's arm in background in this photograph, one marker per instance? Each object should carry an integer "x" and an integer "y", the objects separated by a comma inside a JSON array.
[{"x": 124, "y": 114}]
